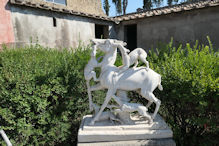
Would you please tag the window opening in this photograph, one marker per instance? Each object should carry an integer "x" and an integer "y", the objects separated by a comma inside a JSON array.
[
  {"x": 101, "y": 31},
  {"x": 54, "y": 22}
]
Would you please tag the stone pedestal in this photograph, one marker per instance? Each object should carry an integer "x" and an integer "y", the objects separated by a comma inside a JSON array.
[{"x": 106, "y": 133}]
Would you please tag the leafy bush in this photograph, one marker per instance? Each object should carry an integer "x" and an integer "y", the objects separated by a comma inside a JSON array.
[
  {"x": 189, "y": 101},
  {"x": 43, "y": 95}
]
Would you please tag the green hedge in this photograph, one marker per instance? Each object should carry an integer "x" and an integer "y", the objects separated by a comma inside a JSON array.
[
  {"x": 43, "y": 93},
  {"x": 190, "y": 102}
]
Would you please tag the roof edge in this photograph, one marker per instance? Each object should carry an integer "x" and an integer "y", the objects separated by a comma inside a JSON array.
[
  {"x": 57, "y": 8},
  {"x": 167, "y": 10}
]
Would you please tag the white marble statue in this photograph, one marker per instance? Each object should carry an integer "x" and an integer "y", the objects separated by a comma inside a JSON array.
[{"x": 124, "y": 79}]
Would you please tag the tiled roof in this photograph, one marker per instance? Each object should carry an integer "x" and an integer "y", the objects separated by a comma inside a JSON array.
[
  {"x": 131, "y": 16},
  {"x": 167, "y": 10},
  {"x": 57, "y": 8}
]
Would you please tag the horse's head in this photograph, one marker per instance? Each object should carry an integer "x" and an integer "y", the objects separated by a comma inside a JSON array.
[{"x": 106, "y": 45}]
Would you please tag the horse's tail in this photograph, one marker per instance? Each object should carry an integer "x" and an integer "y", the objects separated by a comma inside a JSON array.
[
  {"x": 160, "y": 87},
  {"x": 89, "y": 95}
]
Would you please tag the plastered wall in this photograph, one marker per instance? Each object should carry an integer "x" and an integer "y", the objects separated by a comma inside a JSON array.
[
  {"x": 183, "y": 27},
  {"x": 31, "y": 24}
]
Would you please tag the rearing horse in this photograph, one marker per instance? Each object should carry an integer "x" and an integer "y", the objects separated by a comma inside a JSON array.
[{"x": 133, "y": 79}]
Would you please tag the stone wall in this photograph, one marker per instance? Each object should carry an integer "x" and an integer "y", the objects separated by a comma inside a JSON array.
[
  {"x": 187, "y": 26},
  {"x": 87, "y": 6},
  {"x": 36, "y": 25}
]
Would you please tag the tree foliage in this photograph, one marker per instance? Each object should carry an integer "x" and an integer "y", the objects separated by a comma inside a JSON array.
[
  {"x": 118, "y": 5},
  {"x": 106, "y": 7},
  {"x": 121, "y": 6},
  {"x": 124, "y": 6},
  {"x": 149, "y": 4}
]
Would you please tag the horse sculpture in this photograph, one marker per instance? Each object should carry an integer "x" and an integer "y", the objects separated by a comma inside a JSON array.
[{"x": 139, "y": 79}]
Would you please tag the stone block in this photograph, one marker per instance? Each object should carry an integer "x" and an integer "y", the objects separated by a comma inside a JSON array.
[
  {"x": 157, "y": 142},
  {"x": 106, "y": 133}
]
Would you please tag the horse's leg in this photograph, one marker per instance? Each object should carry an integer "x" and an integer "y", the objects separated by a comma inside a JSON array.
[
  {"x": 157, "y": 102},
  {"x": 143, "y": 112},
  {"x": 136, "y": 64},
  {"x": 109, "y": 94},
  {"x": 89, "y": 96},
  {"x": 149, "y": 104},
  {"x": 143, "y": 59},
  {"x": 151, "y": 98},
  {"x": 96, "y": 87}
]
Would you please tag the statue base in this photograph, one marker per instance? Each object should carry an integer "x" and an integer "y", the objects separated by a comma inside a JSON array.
[{"x": 113, "y": 134}]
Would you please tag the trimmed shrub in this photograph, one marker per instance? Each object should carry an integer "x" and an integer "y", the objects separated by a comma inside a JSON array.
[
  {"x": 189, "y": 101},
  {"x": 43, "y": 95}
]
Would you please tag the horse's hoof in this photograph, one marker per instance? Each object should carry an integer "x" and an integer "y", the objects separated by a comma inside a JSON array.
[{"x": 150, "y": 121}]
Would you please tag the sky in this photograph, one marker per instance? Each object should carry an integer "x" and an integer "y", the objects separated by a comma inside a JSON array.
[{"x": 132, "y": 6}]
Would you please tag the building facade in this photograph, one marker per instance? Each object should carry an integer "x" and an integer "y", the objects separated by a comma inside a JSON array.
[
  {"x": 52, "y": 24},
  {"x": 184, "y": 23},
  {"x": 65, "y": 23}
]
